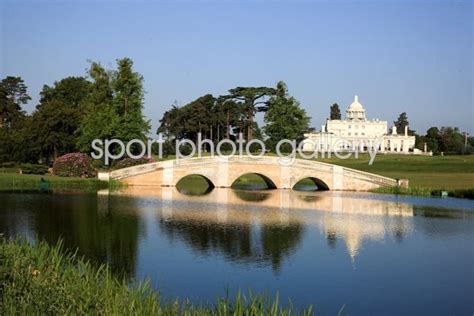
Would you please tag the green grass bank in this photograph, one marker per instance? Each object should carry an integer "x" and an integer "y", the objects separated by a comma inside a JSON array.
[
  {"x": 427, "y": 175},
  {"x": 437, "y": 172},
  {"x": 25, "y": 182},
  {"x": 40, "y": 279}
]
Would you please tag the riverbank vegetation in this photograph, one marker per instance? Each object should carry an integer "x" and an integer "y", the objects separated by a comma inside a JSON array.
[
  {"x": 458, "y": 193},
  {"x": 31, "y": 182},
  {"x": 43, "y": 279}
]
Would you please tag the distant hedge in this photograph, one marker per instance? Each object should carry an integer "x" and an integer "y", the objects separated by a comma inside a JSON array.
[
  {"x": 26, "y": 168},
  {"x": 74, "y": 165}
]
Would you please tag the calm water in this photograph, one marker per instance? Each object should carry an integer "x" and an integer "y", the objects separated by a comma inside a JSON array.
[{"x": 374, "y": 253}]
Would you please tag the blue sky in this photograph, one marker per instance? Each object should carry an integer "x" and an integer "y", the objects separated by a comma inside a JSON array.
[{"x": 412, "y": 56}]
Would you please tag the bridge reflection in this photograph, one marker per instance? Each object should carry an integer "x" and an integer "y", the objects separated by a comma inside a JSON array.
[{"x": 267, "y": 225}]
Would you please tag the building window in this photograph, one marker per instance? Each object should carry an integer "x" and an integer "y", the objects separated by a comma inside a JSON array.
[
  {"x": 349, "y": 134},
  {"x": 363, "y": 134},
  {"x": 355, "y": 134},
  {"x": 349, "y": 126}
]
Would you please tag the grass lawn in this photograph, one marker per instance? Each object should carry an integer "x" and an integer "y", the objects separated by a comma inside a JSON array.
[
  {"x": 15, "y": 181},
  {"x": 437, "y": 172}
]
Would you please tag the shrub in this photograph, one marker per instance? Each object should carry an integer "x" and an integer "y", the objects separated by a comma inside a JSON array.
[
  {"x": 129, "y": 162},
  {"x": 8, "y": 167},
  {"x": 9, "y": 164},
  {"x": 74, "y": 165},
  {"x": 462, "y": 193},
  {"x": 28, "y": 168}
]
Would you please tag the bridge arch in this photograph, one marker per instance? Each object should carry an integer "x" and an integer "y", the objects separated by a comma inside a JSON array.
[
  {"x": 270, "y": 184},
  {"x": 195, "y": 184},
  {"x": 318, "y": 183}
]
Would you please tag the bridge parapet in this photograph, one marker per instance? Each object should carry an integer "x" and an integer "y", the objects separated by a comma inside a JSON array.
[{"x": 367, "y": 176}]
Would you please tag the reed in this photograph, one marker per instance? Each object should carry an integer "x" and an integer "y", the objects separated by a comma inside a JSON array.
[{"x": 42, "y": 279}]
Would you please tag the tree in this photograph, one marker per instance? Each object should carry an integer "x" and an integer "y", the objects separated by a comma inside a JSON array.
[
  {"x": 71, "y": 91},
  {"x": 254, "y": 100},
  {"x": 14, "y": 124},
  {"x": 451, "y": 140},
  {"x": 285, "y": 119},
  {"x": 445, "y": 139},
  {"x": 213, "y": 117},
  {"x": 100, "y": 118},
  {"x": 128, "y": 88},
  {"x": 128, "y": 102},
  {"x": 189, "y": 120},
  {"x": 17, "y": 144},
  {"x": 13, "y": 95},
  {"x": 114, "y": 107},
  {"x": 335, "y": 112},
  {"x": 58, "y": 116},
  {"x": 230, "y": 117},
  {"x": 169, "y": 122},
  {"x": 401, "y": 122},
  {"x": 55, "y": 124}
]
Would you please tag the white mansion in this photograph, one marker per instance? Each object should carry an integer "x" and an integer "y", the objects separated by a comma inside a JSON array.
[{"x": 357, "y": 132}]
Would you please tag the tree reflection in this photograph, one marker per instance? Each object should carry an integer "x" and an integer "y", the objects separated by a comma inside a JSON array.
[
  {"x": 252, "y": 196},
  {"x": 238, "y": 242},
  {"x": 94, "y": 225},
  {"x": 279, "y": 241}
]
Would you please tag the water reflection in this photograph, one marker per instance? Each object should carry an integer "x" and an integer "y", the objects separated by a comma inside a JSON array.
[
  {"x": 320, "y": 248},
  {"x": 97, "y": 226},
  {"x": 239, "y": 243},
  {"x": 267, "y": 226}
]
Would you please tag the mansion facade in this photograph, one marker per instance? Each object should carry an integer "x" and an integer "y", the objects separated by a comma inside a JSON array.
[{"x": 358, "y": 132}]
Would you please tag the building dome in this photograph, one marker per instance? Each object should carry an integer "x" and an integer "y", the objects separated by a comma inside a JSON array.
[
  {"x": 356, "y": 105},
  {"x": 355, "y": 111}
]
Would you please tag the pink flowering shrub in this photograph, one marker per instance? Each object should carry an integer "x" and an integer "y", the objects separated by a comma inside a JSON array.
[
  {"x": 129, "y": 162},
  {"x": 74, "y": 165}
]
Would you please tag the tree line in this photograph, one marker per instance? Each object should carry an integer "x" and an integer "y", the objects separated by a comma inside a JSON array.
[
  {"x": 226, "y": 116},
  {"x": 108, "y": 103}
]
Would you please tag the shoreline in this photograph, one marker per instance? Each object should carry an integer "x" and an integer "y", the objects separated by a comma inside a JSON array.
[{"x": 13, "y": 182}]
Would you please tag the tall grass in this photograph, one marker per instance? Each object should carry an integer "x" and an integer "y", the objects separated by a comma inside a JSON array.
[{"x": 41, "y": 279}]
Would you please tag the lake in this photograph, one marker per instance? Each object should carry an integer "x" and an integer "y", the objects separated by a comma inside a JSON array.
[{"x": 372, "y": 253}]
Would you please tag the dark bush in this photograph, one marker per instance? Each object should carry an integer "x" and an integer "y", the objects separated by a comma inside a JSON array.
[
  {"x": 74, "y": 165},
  {"x": 28, "y": 168},
  {"x": 9, "y": 164},
  {"x": 462, "y": 193},
  {"x": 130, "y": 162}
]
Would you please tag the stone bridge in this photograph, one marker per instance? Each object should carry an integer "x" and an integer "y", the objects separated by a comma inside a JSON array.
[{"x": 223, "y": 172}]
